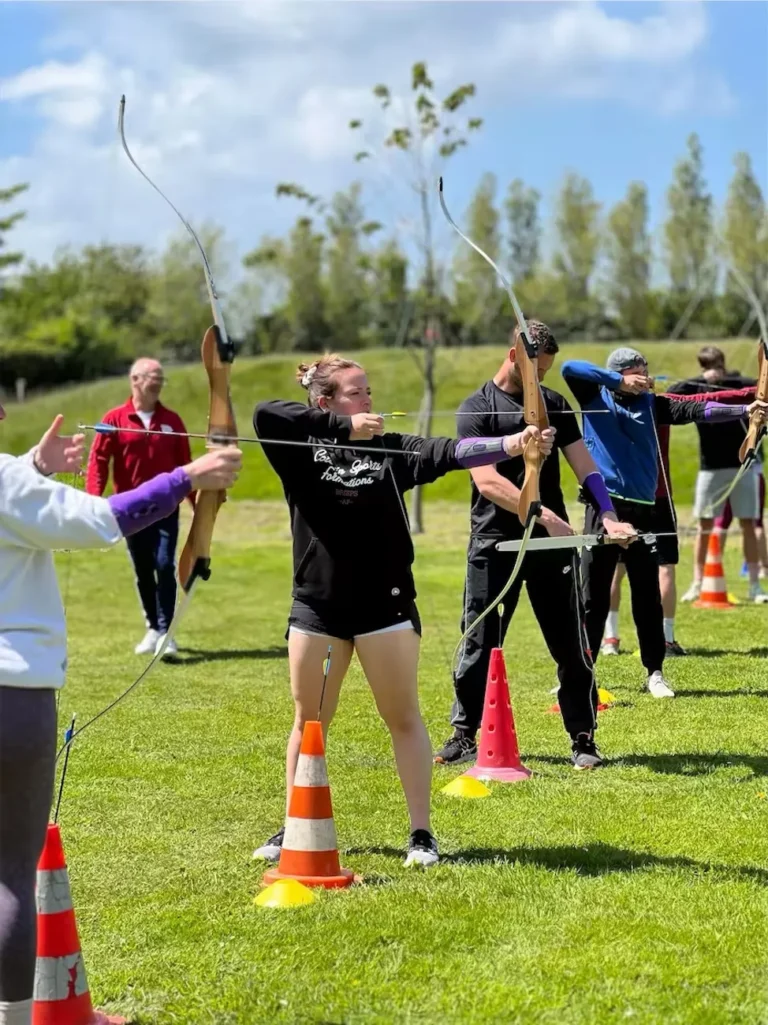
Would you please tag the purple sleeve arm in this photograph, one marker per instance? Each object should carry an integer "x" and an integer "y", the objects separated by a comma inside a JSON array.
[
  {"x": 158, "y": 498},
  {"x": 717, "y": 412},
  {"x": 595, "y": 485},
  {"x": 479, "y": 451}
]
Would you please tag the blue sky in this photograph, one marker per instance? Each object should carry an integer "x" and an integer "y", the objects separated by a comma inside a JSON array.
[{"x": 227, "y": 99}]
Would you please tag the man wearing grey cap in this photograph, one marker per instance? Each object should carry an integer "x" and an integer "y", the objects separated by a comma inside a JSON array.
[{"x": 625, "y": 447}]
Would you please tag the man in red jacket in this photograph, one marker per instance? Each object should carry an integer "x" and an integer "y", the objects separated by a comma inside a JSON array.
[{"x": 137, "y": 458}]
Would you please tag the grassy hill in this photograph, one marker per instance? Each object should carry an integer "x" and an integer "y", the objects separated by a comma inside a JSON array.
[{"x": 396, "y": 386}]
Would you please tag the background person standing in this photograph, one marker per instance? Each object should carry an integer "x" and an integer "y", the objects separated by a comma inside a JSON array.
[
  {"x": 718, "y": 465},
  {"x": 136, "y": 459}
]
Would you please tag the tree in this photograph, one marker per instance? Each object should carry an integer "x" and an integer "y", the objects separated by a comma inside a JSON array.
[
  {"x": 347, "y": 299},
  {"x": 745, "y": 230},
  {"x": 524, "y": 231},
  {"x": 305, "y": 308},
  {"x": 294, "y": 268},
  {"x": 391, "y": 307},
  {"x": 178, "y": 310},
  {"x": 628, "y": 252},
  {"x": 578, "y": 231},
  {"x": 688, "y": 229},
  {"x": 429, "y": 131},
  {"x": 6, "y": 223},
  {"x": 479, "y": 301}
]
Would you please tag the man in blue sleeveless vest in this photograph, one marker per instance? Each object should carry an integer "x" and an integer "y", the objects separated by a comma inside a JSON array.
[{"x": 625, "y": 447}]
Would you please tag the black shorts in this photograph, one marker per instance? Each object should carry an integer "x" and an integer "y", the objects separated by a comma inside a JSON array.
[
  {"x": 345, "y": 622},
  {"x": 668, "y": 548}
]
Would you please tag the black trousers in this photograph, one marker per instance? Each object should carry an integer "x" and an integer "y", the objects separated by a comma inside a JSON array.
[
  {"x": 551, "y": 579},
  {"x": 27, "y": 762},
  {"x": 642, "y": 562}
]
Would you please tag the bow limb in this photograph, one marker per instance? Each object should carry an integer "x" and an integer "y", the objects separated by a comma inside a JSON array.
[
  {"x": 535, "y": 413},
  {"x": 218, "y": 353}
]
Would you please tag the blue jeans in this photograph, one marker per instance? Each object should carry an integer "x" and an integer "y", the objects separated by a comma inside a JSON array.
[{"x": 153, "y": 551}]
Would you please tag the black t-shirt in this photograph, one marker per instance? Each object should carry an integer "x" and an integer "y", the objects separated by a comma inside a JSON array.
[
  {"x": 480, "y": 419},
  {"x": 719, "y": 444}
]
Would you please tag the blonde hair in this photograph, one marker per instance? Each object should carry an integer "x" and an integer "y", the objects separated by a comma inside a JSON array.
[{"x": 319, "y": 377}]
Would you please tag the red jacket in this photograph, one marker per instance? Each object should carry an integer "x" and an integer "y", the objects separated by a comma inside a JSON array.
[{"x": 136, "y": 458}]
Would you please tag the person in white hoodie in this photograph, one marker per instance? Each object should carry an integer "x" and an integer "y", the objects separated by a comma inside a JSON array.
[{"x": 37, "y": 517}]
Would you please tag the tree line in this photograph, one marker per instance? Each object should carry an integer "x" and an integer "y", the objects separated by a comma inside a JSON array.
[{"x": 341, "y": 279}]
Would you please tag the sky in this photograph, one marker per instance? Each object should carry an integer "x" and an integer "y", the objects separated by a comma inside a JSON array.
[{"x": 224, "y": 100}]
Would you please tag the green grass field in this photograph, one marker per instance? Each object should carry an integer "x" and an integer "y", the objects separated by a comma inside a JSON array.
[{"x": 636, "y": 893}]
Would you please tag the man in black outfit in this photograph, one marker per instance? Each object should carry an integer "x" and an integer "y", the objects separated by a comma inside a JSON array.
[{"x": 551, "y": 578}]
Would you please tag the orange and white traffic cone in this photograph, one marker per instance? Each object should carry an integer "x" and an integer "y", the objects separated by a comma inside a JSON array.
[
  {"x": 714, "y": 593},
  {"x": 498, "y": 757},
  {"x": 310, "y": 851},
  {"x": 61, "y": 995}
]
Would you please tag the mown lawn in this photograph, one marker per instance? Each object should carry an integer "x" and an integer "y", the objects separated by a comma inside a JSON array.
[{"x": 637, "y": 893}]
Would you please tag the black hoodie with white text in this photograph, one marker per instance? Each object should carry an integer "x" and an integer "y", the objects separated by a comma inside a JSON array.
[{"x": 351, "y": 535}]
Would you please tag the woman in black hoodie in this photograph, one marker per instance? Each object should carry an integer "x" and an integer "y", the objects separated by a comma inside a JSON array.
[{"x": 353, "y": 586}]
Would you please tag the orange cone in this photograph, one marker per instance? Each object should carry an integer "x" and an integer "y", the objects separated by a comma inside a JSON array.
[
  {"x": 714, "y": 593},
  {"x": 498, "y": 756},
  {"x": 61, "y": 995},
  {"x": 310, "y": 852}
]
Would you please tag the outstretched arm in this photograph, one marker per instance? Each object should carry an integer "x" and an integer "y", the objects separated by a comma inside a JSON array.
[
  {"x": 586, "y": 379},
  {"x": 37, "y": 512}
]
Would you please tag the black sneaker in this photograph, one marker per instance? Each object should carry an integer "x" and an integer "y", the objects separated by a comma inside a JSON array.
[
  {"x": 585, "y": 753},
  {"x": 674, "y": 649},
  {"x": 457, "y": 749},
  {"x": 422, "y": 849},
  {"x": 271, "y": 850}
]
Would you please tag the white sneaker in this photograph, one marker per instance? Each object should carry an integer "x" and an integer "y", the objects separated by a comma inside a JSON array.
[
  {"x": 757, "y": 595},
  {"x": 171, "y": 651},
  {"x": 658, "y": 686},
  {"x": 610, "y": 646},
  {"x": 422, "y": 849},
  {"x": 149, "y": 644},
  {"x": 271, "y": 850},
  {"x": 693, "y": 593}
]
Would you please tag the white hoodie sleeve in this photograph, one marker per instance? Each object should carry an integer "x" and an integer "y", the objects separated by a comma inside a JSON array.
[{"x": 41, "y": 513}]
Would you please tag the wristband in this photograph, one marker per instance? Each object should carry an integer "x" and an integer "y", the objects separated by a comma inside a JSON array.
[
  {"x": 479, "y": 451},
  {"x": 595, "y": 485},
  {"x": 716, "y": 412}
]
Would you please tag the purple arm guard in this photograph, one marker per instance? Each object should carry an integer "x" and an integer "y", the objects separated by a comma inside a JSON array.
[
  {"x": 479, "y": 451},
  {"x": 142, "y": 506},
  {"x": 595, "y": 484},
  {"x": 717, "y": 412}
]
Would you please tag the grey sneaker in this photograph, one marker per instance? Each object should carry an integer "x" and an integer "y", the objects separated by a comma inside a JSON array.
[
  {"x": 457, "y": 749},
  {"x": 585, "y": 754}
]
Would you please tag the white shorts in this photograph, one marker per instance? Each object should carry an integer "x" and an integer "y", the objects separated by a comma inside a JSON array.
[{"x": 711, "y": 485}]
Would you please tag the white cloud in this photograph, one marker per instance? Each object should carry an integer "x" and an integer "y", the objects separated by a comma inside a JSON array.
[{"x": 225, "y": 99}]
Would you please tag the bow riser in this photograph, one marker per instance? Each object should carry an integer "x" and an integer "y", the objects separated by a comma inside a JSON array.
[
  {"x": 194, "y": 561},
  {"x": 535, "y": 414},
  {"x": 756, "y": 427}
]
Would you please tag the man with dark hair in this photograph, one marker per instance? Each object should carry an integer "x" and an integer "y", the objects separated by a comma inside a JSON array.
[
  {"x": 718, "y": 465},
  {"x": 551, "y": 578}
]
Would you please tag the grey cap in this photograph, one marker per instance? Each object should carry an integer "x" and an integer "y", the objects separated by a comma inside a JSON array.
[{"x": 624, "y": 359}]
